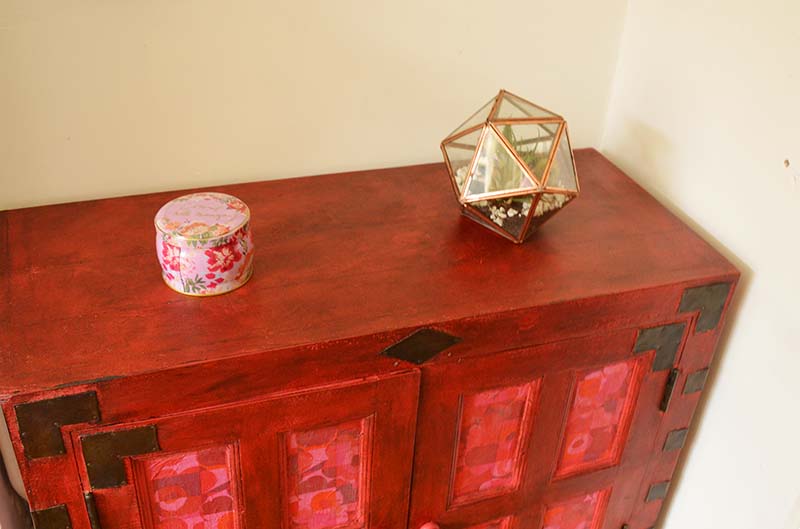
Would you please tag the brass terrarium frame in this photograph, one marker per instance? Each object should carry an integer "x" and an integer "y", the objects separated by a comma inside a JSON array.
[{"x": 491, "y": 126}]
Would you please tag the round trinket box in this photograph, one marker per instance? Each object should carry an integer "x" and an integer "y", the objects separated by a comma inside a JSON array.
[{"x": 204, "y": 244}]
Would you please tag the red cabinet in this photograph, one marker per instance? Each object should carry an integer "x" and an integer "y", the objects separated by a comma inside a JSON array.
[
  {"x": 223, "y": 466},
  {"x": 389, "y": 365},
  {"x": 536, "y": 429}
]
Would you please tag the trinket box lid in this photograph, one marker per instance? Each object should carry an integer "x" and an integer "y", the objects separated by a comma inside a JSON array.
[{"x": 202, "y": 217}]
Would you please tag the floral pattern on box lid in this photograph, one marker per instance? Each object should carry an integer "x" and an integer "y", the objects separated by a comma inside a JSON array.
[{"x": 202, "y": 219}]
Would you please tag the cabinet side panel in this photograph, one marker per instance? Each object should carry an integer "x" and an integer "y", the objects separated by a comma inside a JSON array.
[{"x": 707, "y": 303}]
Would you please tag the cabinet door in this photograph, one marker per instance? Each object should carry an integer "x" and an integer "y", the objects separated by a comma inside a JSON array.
[
  {"x": 554, "y": 437},
  {"x": 338, "y": 457}
]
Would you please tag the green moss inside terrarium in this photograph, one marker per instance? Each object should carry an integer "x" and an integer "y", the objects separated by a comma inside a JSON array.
[{"x": 532, "y": 143}]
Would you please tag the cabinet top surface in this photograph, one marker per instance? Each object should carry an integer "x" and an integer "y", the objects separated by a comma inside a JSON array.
[{"x": 337, "y": 256}]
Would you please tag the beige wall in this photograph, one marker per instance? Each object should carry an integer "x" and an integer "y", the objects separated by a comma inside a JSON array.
[
  {"x": 102, "y": 98},
  {"x": 705, "y": 109}
]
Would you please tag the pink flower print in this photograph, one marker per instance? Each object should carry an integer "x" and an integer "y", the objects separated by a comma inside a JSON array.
[
  {"x": 222, "y": 258},
  {"x": 236, "y": 204},
  {"x": 171, "y": 256},
  {"x": 194, "y": 229}
]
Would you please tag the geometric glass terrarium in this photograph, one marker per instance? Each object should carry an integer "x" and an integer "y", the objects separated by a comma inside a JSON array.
[{"x": 511, "y": 166}]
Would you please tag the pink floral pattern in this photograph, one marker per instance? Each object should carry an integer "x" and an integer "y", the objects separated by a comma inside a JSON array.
[
  {"x": 193, "y": 490},
  {"x": 492, "y": 422},
  {"x": 584, "y": 512},
  {"x": 222, "y": 258},
  {"x": 170, "y": 256},
  {"x": 210, "y": 271},
  {"x": 325, "y": 469},
  {"x": 599, "y": 417},
  {"x": 204, "y": 243}
]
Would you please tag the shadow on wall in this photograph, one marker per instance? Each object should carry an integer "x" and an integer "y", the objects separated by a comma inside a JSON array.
[
  {"x": 794, "y": 515},
  {"x": 654, "y": 151}
]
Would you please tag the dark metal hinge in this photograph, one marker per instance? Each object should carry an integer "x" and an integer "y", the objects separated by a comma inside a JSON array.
[
  {"x": 103, "y": 453},
  {"x": 53, "y": 518},
  {"x": 669, "y": 389},
  {"x": 675, "y": 439},
  {"x": 657, "y": 491},
  {"x": 421, "y": 346},
  {"x": 695, "y": 381},
  {"x": 91, "y": 510},
  {"x": 665, "y": 340},
  {"x": 708, "y": 300},
  {"x": 40, "y": 422}
]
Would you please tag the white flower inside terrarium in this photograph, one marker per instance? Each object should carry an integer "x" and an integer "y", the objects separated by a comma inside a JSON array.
[{"x": 511, "y": 165}]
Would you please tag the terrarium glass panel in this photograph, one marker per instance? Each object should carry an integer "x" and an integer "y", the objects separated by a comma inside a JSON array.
[
  {"x": 471, "y": 212},
  {"x": 475, "y": 119},
  {"x": 562, "y": 171},
  {"x": 511, "y": 166},
  {"x": 549, "y": 203},
  {"x": 509, "y": 214},
  {"x": 513, "y": 107},
  {"x": 532, "y": 142},
  {"x": 459, "y": 154},
  {"x": 496, "y": 171}
]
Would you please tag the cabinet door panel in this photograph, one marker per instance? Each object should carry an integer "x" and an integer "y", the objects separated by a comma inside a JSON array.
[
  {"x": 309, "y": 460},
  {"x": 599, "y": 414},
  {"x": 587, "y": 510},
  {"x": 554, "y": 436},
  {"x": 190, "y": 489},
  {"x": 493, "y": 428}
]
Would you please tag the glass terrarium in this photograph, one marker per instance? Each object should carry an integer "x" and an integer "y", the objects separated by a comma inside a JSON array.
[{"x": 511, "y": 166}]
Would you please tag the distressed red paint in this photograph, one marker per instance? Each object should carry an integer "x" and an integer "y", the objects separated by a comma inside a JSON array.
[{"x": 502, "y": 523}]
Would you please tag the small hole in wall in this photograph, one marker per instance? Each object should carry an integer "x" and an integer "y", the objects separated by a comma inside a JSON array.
[{"x": 792, "y": 171}]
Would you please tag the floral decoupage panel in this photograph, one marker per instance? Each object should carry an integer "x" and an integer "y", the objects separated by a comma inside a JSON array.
[
  {"x": 582, "y": 512},
  {"x": 325, "y": 473},
  {"x": 192, "y": 490},
  {"x": 493, "y": 423},
  {"x": 599, "y": 416}
]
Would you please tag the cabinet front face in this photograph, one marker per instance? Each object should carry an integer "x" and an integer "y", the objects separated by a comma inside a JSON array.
[
  {"x": 314, "y": 460},
  {"x": 555, "y": 437}
]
